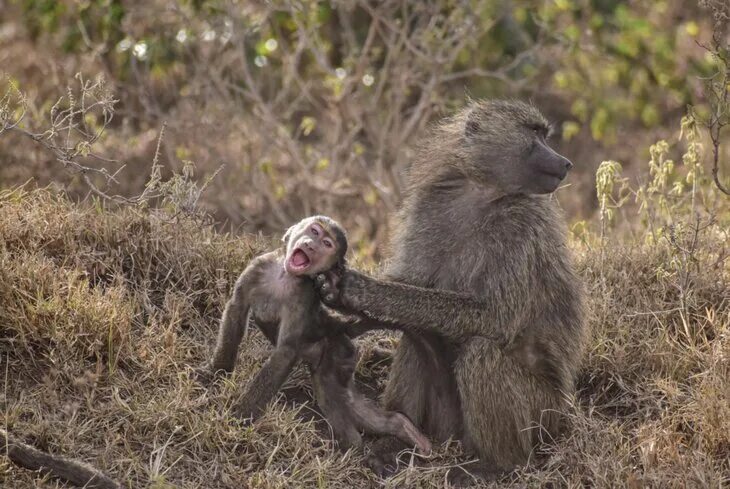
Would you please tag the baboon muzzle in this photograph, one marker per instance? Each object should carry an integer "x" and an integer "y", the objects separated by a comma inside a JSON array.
[{"x": 547, "y": 161}]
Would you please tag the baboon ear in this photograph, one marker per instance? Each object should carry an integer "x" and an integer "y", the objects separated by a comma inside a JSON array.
[
  {"x": 288, "y": 234},
  {"x": 471, "y": 127}
]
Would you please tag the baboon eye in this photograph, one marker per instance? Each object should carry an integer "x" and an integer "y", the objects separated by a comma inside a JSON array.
[
  {"x": 314, "y": 231},
  {"x": 328, "y": 243}
]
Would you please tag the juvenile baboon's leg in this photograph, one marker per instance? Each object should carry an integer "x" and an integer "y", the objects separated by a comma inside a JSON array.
[
  {"x": 72, "y": 471},
  {"x": 421, "y": 386},
  {"x": 403, "y": 394},
  {"x": 332, "y": 399},
  {"x": 232, "y": 327},
  {"x": 377, "y": 421}
]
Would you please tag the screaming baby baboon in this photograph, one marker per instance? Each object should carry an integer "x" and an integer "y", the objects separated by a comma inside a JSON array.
[
  {"x": 482, "y": 285},
  {"x": 276, "y": 291}
]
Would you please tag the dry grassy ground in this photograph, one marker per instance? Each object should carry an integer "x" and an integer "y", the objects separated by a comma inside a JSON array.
[{"x": 103, "y": 314}]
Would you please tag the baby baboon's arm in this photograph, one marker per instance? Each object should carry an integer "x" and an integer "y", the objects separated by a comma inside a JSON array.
[
  {"x": 267, "y": 382},
  {"x": 276, "y": 369},
  {"x": 417, "y": 309},
  {"x": 233, "y": 321}
]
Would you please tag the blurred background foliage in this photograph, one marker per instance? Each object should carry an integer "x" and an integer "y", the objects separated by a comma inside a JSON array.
[{"x": 316, "y": 106}]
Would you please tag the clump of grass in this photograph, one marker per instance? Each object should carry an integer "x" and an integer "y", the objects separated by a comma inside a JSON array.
[{"x": 103, "y": 313}]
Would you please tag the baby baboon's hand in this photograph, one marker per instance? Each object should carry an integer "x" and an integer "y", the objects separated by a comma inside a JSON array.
[{"x": 206, "y": 376}]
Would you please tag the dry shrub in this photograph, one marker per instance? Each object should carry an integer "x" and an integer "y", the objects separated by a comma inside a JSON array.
[{"x": 104, "y": 312}]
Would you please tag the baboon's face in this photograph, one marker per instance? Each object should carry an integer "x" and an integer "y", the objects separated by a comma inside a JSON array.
[
  {"x": 506, "y": 142},
  {"x": 312, "y": 247}
]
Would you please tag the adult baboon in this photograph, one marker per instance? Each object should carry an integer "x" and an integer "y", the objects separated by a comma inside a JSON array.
[{"x": 482, "y": 284}]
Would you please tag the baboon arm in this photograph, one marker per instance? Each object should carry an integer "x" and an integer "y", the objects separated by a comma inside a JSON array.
[
  {"x": 417, "y": 309},
  {"x": 267, "y": 382},
  {"x": 233, "y": 325}
]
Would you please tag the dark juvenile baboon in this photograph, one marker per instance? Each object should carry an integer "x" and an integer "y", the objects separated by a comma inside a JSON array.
[
  {"x": 72, "y": 471},
  {"x": 482, "y": 284},
  {"x": 276, "y": 290}
]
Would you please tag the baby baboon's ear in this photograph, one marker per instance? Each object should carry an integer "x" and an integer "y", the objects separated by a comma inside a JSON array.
[{"x": 288, "y": 234}]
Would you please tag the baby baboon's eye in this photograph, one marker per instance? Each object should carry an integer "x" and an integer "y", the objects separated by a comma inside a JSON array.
[
  {"x": 328, "y": 243},
  {"x": 314, "y": 231}
]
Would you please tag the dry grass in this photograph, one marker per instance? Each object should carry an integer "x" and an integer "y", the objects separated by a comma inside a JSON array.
[{"x": 103, "y": 314}]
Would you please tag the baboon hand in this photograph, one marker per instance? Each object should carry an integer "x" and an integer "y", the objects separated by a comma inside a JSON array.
[
  {"x": 342, "y": 289},
  {"x": 328, "y": 288}
]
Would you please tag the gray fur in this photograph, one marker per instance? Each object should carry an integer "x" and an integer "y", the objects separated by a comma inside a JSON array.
[{"x": 481, "y": 282}]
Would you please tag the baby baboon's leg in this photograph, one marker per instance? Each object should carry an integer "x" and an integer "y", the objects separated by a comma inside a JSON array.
[
  {"x": 332, "y": 399},
  {"x": 378, "y": 421}
]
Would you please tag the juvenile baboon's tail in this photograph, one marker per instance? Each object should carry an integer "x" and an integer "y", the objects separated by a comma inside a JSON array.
[{"x": 71, "y": 471}]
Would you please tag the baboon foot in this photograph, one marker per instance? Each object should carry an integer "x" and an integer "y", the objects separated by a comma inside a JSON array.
[
  {"x": 383, "y": 456},
  {"x": 382, "y": 465},
  {"x": 471, "y": 475},
  {"x": 245, "y": 417},
  {"x": 379, "y": 356},
  {"x": 206, "y": 376}
]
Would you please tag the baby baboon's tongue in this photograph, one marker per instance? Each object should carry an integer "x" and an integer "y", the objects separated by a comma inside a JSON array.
[{"x": 299, "y": 258}]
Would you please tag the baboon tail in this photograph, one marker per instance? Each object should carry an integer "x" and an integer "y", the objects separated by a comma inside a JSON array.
[{"x": 71, "y": 471}]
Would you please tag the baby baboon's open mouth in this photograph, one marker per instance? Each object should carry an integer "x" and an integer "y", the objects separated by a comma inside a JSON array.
[{"x": 299, "y": 261}]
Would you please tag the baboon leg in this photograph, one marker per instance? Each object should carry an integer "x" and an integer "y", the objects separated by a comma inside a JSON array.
[
  {"x": 332, "y": 400},
  {"x": 405, "y": 392},
  {"x": 267, "y": 382},
  {"x": 422, "y": 386},
  {"x": 232, "y": 327},
  {"x": 377, "y": 421},
  {"x": 506, "y": 409}
]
